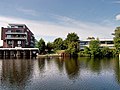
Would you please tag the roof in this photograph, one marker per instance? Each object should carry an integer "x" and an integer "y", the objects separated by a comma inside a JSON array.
[
  {"x": 17, "y": 24},
  {"x": 99, "y": 40}
]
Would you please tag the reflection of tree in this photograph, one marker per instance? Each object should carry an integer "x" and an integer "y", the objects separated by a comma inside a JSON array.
[
  {"x": 41, "y": 64},
  {"x": 72, "y": 68},
  {"x": 117, "y": 70},
  {"x": 84, "y": 62},
  {"x": 60, "y": 63},
  {"x": 16, "y": 72},
  {"x": 95, "y": 65}
]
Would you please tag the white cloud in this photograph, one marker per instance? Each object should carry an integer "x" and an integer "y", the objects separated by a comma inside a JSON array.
[
  {"x": 50, "y": 29},
  {"x": 116, "y": 2},
  {"x": 28, "y": 11},
  {"x": 118, "y": 17}
]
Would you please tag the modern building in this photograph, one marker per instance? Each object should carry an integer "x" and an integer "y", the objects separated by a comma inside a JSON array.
[
  {"x": 103, "y": 43},
  {"x": 17, "y": 35}
]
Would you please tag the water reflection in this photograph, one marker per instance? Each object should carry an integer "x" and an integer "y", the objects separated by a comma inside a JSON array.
[
  {"x": 117, "y": 70},
  {"x": 72, "y": 67},
  {"x": 16, "y": 72},
  {"x": 41, "y": 64},
  {"x": 54, "y": 73},
  {"x": 60, "y": 64}
]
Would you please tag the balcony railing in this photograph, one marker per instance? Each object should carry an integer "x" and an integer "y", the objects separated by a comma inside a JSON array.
[
  {"x": 16, "y": 33},
  {"x": 17, "y": 38}
]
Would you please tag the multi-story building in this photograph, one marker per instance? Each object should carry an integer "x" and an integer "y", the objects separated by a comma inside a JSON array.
[
  {"x": 17, "y": 35},
  {"x": 103, "y": 43}
]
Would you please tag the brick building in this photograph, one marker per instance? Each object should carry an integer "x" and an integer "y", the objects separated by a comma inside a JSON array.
[{"x": 17, "y": 35}]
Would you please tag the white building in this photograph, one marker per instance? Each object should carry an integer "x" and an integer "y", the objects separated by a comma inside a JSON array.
[{"x": 103, "y": 43}]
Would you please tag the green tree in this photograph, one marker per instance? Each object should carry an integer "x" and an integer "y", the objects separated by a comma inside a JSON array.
[
  {"x": 105, "y": 51},
  {"x": 71, "y": 48},
  {"x": 117, "y": 39},
  {"x": 72, "y": 43},
  {"x": 94, "y": 46},
  {"x": 41, "y": 46},
  {"x": 87, "y": 51},
  {"x": 49, "y": 46},
  {"x": 72, "y": 37},
  {"x": 58, "y": 44}
]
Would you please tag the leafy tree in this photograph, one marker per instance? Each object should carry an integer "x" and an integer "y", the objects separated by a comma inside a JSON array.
[
  {"x": 72, "y": 37},
  {"x": 94, "y": 47},
  {"x": 72, "y": 43},
  {"x": 58, "y": 44},
  {"x": 71, "y": 48},
  {"x": 105, "y": 51},
  {"x": 117, "y": 39},
  {"x": 87, "y": 50},
  {"x": 41, "y": 45},
  {"x": 49, "y": 46}
]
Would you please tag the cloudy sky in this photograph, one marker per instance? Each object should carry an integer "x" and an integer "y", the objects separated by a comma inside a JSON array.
[{"x": 49, "y": 19}]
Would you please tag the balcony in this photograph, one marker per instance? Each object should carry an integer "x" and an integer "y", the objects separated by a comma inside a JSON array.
[
  {"x": 16, "y": 38},
  {"x": 14, "y": 33}
]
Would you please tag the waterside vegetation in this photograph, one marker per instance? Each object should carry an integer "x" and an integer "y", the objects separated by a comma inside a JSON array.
[{"x": 71, "y": 46}]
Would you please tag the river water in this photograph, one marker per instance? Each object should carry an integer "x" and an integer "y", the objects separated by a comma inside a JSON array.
[{"x": 60, "y": 74}]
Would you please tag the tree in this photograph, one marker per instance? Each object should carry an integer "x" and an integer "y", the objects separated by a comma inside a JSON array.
[
  {"x": 87, "y": 50},
  {"x": 72, "y": 43},
  {"x": 72, "y": 37},
  {"x": 117, "y": 39},
  {"x": 71, "y": 48},
  {"x": 41, "y": 45},
  {"x": 94, "y": 46},
  {"x": 58, "y": 44},
  {"x": 105, "y": 51},
  {"x": 49, "y": 46}
]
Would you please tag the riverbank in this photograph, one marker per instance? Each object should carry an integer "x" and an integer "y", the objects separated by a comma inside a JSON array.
[{"x": 48, "y": 55}]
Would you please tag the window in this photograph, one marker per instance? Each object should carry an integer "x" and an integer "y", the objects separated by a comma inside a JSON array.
[
  {"x": 110, "y": 42},
  {"x": 19, "y": 42},
  {"x": 9, "y": 36},
  {"x": 9, "y": 31},
  {"x": 9, "y": 42},
  {"x": 102, "y": 42},
  {"x": 18, "y": 30},
  {"x": 20, "y": 26}
]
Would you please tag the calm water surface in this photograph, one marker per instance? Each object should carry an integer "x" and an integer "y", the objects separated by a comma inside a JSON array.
[{"x": 60, "y": 74}]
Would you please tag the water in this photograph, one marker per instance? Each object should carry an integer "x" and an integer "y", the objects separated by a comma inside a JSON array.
[{"x": 60, "y": 74}]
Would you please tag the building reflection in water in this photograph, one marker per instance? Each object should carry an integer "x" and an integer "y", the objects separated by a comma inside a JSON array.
[{"x": 16, "y": 72}]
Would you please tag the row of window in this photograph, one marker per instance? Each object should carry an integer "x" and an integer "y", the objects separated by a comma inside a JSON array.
[
  {"x": 10, "y": 42},
  {"x": 9, "y": 36},
  {"x": 15, "y": 31},
  {"x": 101, "y": 42}
]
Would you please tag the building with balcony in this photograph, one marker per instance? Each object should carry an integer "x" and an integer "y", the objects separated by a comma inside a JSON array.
[
  {"x": 17, "y": 35},
  {"x": 103, "y": 43}
]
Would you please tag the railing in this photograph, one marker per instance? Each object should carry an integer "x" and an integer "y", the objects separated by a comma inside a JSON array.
[
  {"x": 22, "y": 38},
  {"x": 15, "y": 33}
]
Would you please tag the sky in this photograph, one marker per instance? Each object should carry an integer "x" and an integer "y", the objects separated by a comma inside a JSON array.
[{"x": 50, "y": 19}]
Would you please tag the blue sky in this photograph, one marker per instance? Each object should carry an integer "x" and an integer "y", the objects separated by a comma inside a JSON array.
[{"x": 49, "y": 19}]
